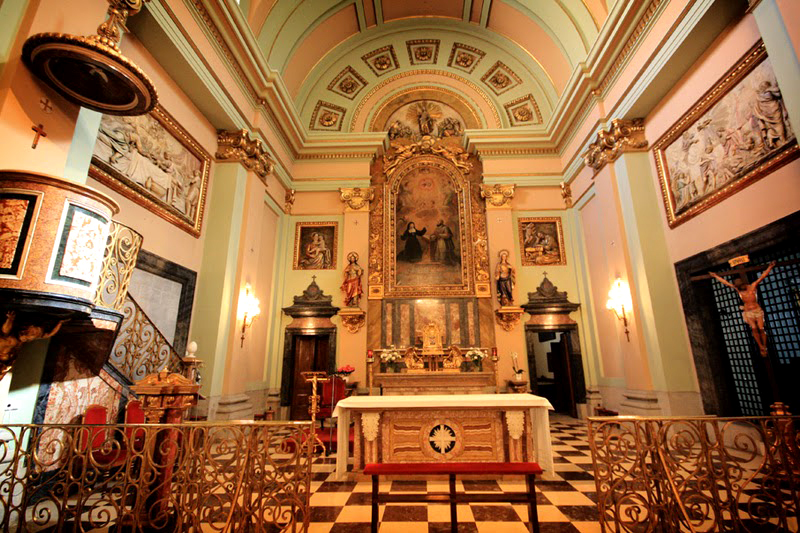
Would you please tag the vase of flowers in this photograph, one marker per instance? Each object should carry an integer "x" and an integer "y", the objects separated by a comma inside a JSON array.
[
  {"x": 391, "y": 358},
  {"x": 344, "y": 372},
  {"x": 476, "y": 356}
]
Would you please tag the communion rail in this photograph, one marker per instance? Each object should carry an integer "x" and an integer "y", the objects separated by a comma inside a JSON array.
[
  {"x": 183, "y": 477},
  {"x": 700, "y": 474}
]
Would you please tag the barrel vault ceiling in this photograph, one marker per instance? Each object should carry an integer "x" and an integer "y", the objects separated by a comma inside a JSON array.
[{"x": 344, "y": 63}]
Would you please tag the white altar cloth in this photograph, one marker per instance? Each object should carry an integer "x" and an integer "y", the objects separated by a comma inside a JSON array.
[{"x": 538, "y": 406}]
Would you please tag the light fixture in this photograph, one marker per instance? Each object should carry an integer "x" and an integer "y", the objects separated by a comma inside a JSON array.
[
  {"x": 250, "y": 308},
  {"x": 619, "y": 298}
]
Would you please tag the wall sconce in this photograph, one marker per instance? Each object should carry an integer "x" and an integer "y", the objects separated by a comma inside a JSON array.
[
  {"x": 619, "y": 297},
  {"x": 249, "y": 307}
]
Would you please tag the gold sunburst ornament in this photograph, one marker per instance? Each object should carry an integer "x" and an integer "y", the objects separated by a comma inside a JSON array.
[{"x": 91, "y": 71}]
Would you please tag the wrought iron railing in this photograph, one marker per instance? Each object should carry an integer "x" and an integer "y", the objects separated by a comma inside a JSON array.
[
  {"x": 140, "y": 348},
  {"x": 187, "y": 477},
  {"x": 697, "y": 474},
  {"x": 119, "y": 260}
]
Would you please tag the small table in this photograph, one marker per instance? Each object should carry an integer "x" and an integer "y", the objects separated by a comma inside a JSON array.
[{"x": 445, "y": 428}]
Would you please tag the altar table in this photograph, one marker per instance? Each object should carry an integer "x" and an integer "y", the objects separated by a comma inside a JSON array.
[{"x": 440, "y": 428}]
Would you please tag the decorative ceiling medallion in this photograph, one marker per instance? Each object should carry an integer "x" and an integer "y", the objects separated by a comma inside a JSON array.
[
  {"x": 90, "y": 71},
  {"x": 423, "y": 51},
  {"x": 382, "y": 60},
  {"x": 465, "y": 57},
  {"x": 523, "y": 111},
  {"x": 347, "y": 83},
  {"x": 327, "y": 117},
  {"x": 500, "y": 78}
]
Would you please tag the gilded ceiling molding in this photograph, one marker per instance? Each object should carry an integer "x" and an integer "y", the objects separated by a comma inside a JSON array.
[
  {"x": 426, "y": 145},
  {"x": 495, "y": 114},
  {"x": 623, "y": 136},
  {"x": 238, "y": 146},
  {"x": 566, "y": 194},
  {"x": 497, "y": 196},
  {"x": 356, "y": 198}
]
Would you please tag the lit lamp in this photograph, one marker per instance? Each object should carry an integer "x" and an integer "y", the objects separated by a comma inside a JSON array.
[
  {"x": 249, "y": 307},
  {"x": 619, "y": 297}
]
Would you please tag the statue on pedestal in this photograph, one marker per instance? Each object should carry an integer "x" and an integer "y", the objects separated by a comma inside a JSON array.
[
  {"x": 505, "y": 279},
  {"x": 351, "y": 287}
]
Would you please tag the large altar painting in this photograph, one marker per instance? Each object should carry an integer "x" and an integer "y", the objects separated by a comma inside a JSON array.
[{"x": 737, "y": 133}]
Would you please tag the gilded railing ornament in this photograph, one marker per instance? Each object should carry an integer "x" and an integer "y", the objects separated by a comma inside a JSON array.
[
  {"x": 623, "y": 136},
  {"x": 498, "y": 195},
  {"x": 119, "y": 260},
  {"x": 566, "y": 194},
  {"x": 238, "y": 146},
  {"x": 356, "y": 198}
]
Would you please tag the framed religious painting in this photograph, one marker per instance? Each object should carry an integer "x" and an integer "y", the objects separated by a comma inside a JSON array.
[
  {"x": 153, "y": 161},
  {"x": 541, "y": 241},
  {"x": 737, "y": 133},
  {"x": 315, "y": 245}
]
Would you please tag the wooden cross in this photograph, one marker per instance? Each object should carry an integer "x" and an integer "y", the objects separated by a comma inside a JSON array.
[{"x": 39, "y": 133}]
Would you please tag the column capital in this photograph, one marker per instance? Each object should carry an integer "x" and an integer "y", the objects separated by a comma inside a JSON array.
[
  {"x": 498, "y": 195},
  {"x": 356, "y": 198},
  {"x": 566, "y": 194},
  {"x": 237, "y": 146},
  {"x": 622, "y": 136}
]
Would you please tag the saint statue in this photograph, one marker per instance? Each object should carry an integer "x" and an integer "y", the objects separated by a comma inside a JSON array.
[
  {"x": 351, "y": 287},
  {"x": 316, "y": 253},
  {"x": 443, "y": 250},
  {"x": 505, "y": 279},
  {"x": 412, "y": 252},
  {"x": 752, "y": 313}
]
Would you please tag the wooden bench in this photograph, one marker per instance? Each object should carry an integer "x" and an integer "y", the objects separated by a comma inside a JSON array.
[{"x": 529, "y": 470}]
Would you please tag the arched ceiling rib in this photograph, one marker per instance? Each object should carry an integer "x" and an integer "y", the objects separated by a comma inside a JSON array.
[{"x": 318, "y": 44}]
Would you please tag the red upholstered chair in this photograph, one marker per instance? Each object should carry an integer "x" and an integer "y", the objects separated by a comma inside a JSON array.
[
  {"x": 112, "y": 455},
  {"x": 134, "y": 414},
  {"x": 333, "y": 390},
  {"x": 96, "y": 414}
]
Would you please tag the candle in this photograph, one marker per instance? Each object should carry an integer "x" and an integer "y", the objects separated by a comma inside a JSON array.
[
  {"x": 370, "y": 356},
  {"x": 514, "y": 360}
]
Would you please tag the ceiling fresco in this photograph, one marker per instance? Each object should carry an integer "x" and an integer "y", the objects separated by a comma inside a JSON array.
[{"x": 513, "y": 56}]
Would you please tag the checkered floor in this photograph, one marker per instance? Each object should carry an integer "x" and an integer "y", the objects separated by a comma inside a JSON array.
[{"x": 566, "y": 499}]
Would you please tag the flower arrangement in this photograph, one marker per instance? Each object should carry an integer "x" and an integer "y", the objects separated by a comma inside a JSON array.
[
  {"x": 391, "y": 355},
  {"x": 475, "y": 355},
  {"x": 345, "y": 370}
]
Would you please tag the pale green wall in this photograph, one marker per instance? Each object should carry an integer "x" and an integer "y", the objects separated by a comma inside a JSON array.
[
  {"x": 25, "y": 380},
  {"x": 11, "y": 13}
]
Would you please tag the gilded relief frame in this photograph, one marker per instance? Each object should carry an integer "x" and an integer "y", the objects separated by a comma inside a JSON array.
[
  {"x": 316, "y": 257},
  {"x": 536, "y": 253},
  {"x": 462, "y": 187},
  {"x": 108, "y": 175},
  {"x": 699, "y": 113}
]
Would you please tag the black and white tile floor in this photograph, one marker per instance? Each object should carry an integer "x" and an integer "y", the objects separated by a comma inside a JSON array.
[{"x": 566, "y": 499}]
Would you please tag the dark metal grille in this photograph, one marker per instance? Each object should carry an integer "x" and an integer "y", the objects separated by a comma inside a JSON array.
[{"x": 737, "y": 339}]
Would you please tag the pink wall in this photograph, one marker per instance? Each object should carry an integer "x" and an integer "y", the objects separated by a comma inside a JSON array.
[{"x": 762, "y": 202}]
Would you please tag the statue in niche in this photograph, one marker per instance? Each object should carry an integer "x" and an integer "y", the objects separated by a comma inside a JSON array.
[
  {"x": 505, "y": 279},
  {"x": 752, "y": 313},
  {"x": 351, "y": 287},
  {"x": 425, "y": 114},
  {"x": 397, "y": 130}
]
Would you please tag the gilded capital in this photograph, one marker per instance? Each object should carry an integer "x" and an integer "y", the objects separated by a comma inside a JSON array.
[
  {"x": 356, "y": 198},
  {"x": 238, "y": 146},
  {"x": 623, "y": 136},
  {"x": 288, "y": 201},
  {"x": 497, "y": 195}
]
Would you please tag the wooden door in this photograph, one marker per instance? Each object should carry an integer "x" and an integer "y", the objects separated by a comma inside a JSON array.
[
  {"x": 563, "y": 376},
  {"x": 310, "y": 354}
]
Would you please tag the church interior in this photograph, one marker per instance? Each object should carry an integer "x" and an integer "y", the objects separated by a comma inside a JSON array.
[{"x": 266, "y": 262}]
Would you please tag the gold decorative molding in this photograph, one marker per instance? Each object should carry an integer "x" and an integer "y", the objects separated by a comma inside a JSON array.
[
  {"x": 356, "y": 198},
  {"x": 497, "y": 195},
  {"x": 353, "y": 319},
  {"x": 566, "y": 194},
  {"x": 508, "y": 317},
  {"x": 623, "y": 136},
  {"x": 238, "y": 146},
  {"x": 426, "y": 145},
  {"x": 288, "y": 201}
]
